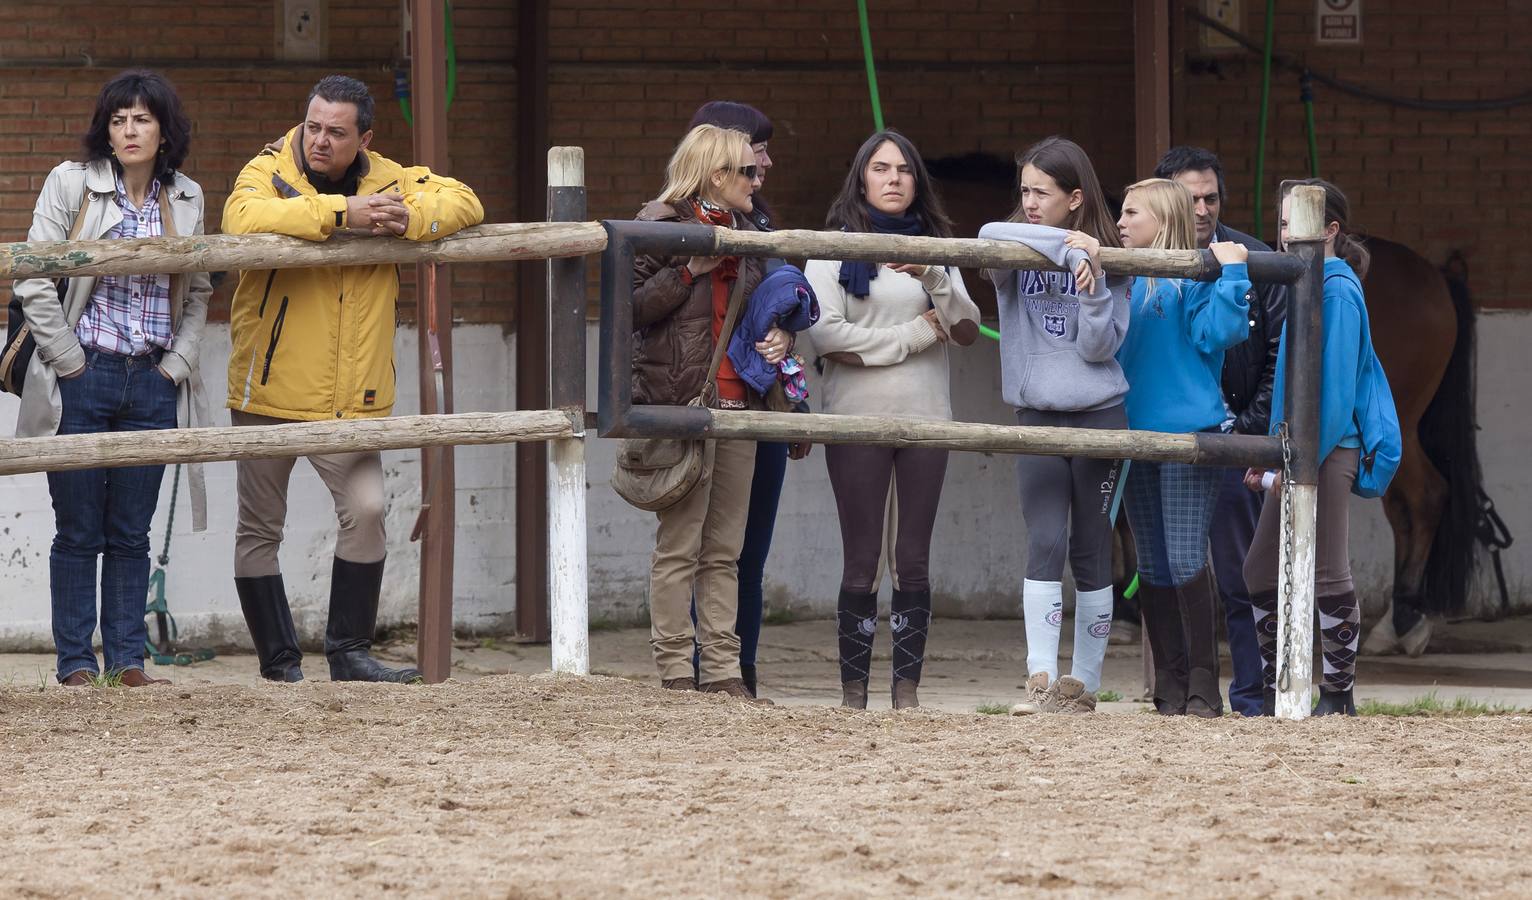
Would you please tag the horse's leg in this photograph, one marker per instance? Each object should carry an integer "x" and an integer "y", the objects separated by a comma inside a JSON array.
[{"x": 1414, "y": 505}]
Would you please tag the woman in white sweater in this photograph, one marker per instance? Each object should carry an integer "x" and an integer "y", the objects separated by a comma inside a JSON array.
[{"x": 883, "y": 333}]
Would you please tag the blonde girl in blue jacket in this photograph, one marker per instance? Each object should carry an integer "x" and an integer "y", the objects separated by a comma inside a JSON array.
[
  {"x": 1173, "y": 359},
  {"x": 1359, "y": 444}
]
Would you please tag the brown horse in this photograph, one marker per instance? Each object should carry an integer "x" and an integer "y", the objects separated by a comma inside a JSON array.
[{"x": 1422, "y": 323}]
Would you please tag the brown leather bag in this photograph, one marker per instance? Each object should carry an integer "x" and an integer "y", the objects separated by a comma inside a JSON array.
[{"x": 655, "y": 474}]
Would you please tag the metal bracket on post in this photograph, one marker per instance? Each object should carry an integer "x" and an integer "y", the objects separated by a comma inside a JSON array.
[
  {"x": 1300, "y": 488},
  {"x": 568, "y": 605}
]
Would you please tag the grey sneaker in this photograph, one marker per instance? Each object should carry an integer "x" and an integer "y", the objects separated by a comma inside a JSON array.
[
  {"x": 1038, "y": 693},
  {"x": 1070, "y": 697}
]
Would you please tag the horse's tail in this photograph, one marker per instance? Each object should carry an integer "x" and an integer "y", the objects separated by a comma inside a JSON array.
[{"x": 1448, "y": 434}]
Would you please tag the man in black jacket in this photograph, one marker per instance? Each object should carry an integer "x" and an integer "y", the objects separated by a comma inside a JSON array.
[{"x": 1248, "y": 371}]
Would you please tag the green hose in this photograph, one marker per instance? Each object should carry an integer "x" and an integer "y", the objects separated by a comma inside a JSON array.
[
  {"x": 1260, "y": 147},
  {"x": 401, "y": 79},
  {"x": 872, "y": 72}
]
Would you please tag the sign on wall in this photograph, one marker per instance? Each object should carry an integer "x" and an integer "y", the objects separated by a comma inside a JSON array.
[{"x": 1338, "y": 21}]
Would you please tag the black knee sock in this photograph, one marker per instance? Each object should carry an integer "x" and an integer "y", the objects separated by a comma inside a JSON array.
[
  {"x": 1263, "y": 604},
  {"x": 857, "y": 624},
  {"x": 1340, "y": 624},
  {"x": 910, "y": 620}
]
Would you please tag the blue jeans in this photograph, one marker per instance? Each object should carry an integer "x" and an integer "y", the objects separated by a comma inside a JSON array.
[
  {"x": 765, "y": 494},
  {"x": 106, "y": 513},
  {"x": 1239, "y": 508}
]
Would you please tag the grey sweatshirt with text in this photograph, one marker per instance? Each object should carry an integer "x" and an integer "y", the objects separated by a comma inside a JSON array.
[{"x": 1058, "y": 348}]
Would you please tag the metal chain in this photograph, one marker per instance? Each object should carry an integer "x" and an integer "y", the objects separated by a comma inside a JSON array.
[{"x": 1288, "y": 550}]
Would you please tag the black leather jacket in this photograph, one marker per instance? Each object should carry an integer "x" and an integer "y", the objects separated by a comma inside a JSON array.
[{"x": 1249, "y": 367}]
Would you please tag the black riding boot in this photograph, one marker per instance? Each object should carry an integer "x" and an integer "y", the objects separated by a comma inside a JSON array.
[
  {"x": 263, "y": 599},
  {"x": 747, "y": 675},
  {"x": 1199, "y": 614},
  {"x": 1167, "y": 644},
  {"x": 354, "y": 591}
]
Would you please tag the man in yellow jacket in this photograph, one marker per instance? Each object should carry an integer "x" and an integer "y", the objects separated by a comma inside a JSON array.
[{"x": 318, "y": 343}]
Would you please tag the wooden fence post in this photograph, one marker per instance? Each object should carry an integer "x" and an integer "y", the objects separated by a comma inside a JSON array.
[
  {"x": 568, "y": 609},
  {"x": 1300, "y": 488}
]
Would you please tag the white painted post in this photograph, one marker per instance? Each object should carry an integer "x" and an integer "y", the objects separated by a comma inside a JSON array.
[
  {"x": 1298, "y": 629},
  {"x": 1300, "y": 492},
  {"x": 568, "y": 585}
]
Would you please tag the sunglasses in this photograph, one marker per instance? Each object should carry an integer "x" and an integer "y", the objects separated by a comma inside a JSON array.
[{"x": 747, "y": 171}]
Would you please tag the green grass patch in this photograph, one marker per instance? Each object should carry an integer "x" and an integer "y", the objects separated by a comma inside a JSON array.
[
  {"x": 1432, "y": 705},
  {"x": 604, "y": 623},
  {"x": 993, "y": 709},
  {"x": 1108, "y": 696},
  {"x": 783, "y": 616},
  {"x": 106, "y": 680}
]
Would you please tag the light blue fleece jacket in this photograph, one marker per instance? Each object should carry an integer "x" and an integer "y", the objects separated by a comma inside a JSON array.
[
  {"x": 1173, "y": 355},
  {"x": 1347, "y": 344},
  {"x": 1057, "y": 346}
]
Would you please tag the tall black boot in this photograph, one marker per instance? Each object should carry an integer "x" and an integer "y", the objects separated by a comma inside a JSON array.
[
  {"x": 1199, "y": 614},
  {"x": 856, "y": 617},
  {"x": 263, "y": 599},
  {"x": 909, "y": 620},
  {"x": 354, "y": 591},
  {"x": 1167, "y": 644}
]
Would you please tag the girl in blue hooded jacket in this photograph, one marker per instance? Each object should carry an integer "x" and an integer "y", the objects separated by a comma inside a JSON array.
[
  {"x": 1359, "y": 444},
  {"x": 1173, "y": 360}
]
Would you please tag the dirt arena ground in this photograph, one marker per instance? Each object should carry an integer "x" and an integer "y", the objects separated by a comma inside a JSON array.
[{"x": 536, "y": 786}]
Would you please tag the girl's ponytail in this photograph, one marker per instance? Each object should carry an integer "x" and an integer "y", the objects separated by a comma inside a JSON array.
[{"x": 1350, "y": 249}]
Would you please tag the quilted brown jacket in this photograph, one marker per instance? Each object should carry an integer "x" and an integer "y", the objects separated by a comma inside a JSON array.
[{"x": 673, "y": 320}]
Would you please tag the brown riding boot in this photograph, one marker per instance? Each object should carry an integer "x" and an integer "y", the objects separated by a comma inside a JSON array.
[
  {"x": 733, "y": 687},
  {"x": 904, "y": 694},
  {"x": 853, "y": 694}
]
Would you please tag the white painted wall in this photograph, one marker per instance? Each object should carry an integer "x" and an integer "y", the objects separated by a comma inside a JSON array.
[{"x": 976, "y": 556}]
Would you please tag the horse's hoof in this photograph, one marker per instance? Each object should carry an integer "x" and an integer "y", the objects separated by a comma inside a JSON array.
[
  {"x": 1414, "y": 641},
  {"x": 1381, "y": 640}
]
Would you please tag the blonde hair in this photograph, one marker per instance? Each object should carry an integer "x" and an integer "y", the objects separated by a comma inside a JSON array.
[
  {"x": 705, "y": 150},
  {"x": 1171, "y": 205}
]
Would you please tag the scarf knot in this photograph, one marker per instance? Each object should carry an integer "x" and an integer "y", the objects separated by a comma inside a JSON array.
[{"x": 855, "y": 276}]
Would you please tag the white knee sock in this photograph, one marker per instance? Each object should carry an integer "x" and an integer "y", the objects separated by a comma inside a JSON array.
[
  {"x": 1042, "y": 606},
  {"x": 1093, "y": 625}
]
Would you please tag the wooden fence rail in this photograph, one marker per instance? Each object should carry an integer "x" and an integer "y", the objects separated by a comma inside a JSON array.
[
  {"x": 554, "y": 240},
  {"x": 191, "y": 445}
]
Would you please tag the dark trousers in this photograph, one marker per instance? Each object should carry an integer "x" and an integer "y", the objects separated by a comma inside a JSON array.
[
  {"x": 1233, "y": 529},
  {"x": 105, "y": 513}
]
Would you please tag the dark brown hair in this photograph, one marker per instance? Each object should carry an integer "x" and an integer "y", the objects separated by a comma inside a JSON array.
[
  {"x": 849, "y": 209},
  {"x": 159, "y": 97},
  {"x": 1066, "y": 163},
  {"x": 1338, "y": 210}
]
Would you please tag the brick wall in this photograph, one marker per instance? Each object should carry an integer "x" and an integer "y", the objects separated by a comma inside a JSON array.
[
  {"x": 1436, "y": 181},
  {"x": 984, "y": 76}
]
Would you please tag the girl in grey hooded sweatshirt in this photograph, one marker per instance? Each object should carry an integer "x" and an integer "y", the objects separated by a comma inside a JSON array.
[{"x": 1059, "y": 335}]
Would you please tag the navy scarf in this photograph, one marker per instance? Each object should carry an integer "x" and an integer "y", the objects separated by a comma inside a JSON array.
[{"x": 856, "y": 277}]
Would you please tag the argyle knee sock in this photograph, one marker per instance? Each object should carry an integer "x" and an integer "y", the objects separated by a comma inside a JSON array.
[
  {"x": 1340, "y": 626},
  {"x": 1263, "y": 606},
  {"x": 857, "y": 624},
  {"x": 910, "y": 619}
]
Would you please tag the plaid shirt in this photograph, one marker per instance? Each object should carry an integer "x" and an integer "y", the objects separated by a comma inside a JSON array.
[{"x": 130, "y": 314}]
